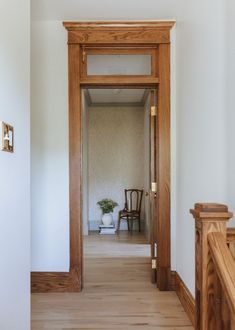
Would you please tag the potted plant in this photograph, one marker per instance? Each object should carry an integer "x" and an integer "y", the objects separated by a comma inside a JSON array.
[{"x": 107, "y": 206}]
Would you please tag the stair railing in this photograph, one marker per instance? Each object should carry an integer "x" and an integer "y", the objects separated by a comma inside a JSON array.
[{"x": 215, "y": 268}]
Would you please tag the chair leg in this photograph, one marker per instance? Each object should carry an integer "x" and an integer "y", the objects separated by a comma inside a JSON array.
[
  {"x": 119, "y": 221},
  {"x": 139, "y": 224},
  {"x": 132, "y": 224},
  {"x": 128, "y": 223}
]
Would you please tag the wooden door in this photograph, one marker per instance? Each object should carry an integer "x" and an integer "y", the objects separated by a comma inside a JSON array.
[{"x": 153, "y": 182}]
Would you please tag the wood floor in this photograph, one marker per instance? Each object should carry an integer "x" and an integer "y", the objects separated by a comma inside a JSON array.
[{"x": 117, "y": 292}]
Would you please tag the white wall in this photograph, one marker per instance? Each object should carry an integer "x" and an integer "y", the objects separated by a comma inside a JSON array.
[
  {"x": 49, "y": 148},
  {"x": 116, "y": 146},
  {"x": 198, "y": 120},
  {"x": 14, "y": 192},
  {"x": 230, "y": 102}
]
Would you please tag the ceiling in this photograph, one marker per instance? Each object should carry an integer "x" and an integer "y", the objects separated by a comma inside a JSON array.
[
  {"x": 98, "y": 96},
  {"x": 102, "y": 10}
]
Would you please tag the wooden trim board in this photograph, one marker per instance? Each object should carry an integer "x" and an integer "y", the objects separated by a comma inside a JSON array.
[
  {"x": 163, "y": 155},
  {"x": 168, "y": 24},
  {"x": 185, "y": 296},
  {"x": 55, "y": 282},
  {"x": 119, "y": 32}
]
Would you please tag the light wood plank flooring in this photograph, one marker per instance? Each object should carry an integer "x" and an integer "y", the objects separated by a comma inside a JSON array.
[{"x": 117, "y": 292}]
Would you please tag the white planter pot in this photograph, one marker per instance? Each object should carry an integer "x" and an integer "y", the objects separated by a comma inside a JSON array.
[{"x": 107, "y": 219}]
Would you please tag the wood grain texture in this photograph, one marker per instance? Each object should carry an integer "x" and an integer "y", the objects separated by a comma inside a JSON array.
[
  {"x": 75, "y": 164},
  {"x": 110, "y": 50},
  {"x": 207, "y": 287},
  {"x": 153, "y": 178},
  {"x": 55, "y": 282},
  {"x": 119, "y": 24},
  {"x": 134, "y": 32},
  {"x": 173, "y": 280},
  {"x": 134, "y": 36},
  {"x": 230, "y": 234},
  {"x": 224, "y": 266},
  {"x": 163, "y": 173},
  {"x": 119, "y": 80},
  {"x": 185, "y": 298},
  {"x": 117, "y": 292},
  {"x": 231, "y": 240},
  {"x": 120, "y": 50},
  {"x": 210, "y": 212}
]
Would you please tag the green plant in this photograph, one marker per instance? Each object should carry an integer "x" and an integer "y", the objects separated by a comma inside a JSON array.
[{"x": 107, "y": 205}]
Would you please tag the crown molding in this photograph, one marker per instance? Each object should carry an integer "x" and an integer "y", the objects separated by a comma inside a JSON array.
[
  {"x": 119, "y": 32},
  {"x": 157, "y": 24}
]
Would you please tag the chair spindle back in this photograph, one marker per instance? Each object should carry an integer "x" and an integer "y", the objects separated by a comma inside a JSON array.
[{"x": 133, "y": 199}]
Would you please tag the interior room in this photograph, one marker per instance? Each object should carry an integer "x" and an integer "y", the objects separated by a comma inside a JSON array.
[{"x": 116, "y": 153}]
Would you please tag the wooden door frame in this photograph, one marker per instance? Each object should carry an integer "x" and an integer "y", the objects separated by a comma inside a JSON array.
[{"x": 122, "y": 34}]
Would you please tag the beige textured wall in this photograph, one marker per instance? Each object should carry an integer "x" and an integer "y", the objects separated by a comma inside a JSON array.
[{"x": 116, "y": 155}]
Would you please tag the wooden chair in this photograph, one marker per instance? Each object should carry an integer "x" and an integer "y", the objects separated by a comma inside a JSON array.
[{"x": 132, "y": 208}]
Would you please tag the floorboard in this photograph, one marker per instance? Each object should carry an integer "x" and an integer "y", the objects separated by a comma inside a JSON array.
[{"x": 117, "y": 292}]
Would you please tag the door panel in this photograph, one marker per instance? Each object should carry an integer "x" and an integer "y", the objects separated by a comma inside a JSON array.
[{"x": 153, "y": 182}]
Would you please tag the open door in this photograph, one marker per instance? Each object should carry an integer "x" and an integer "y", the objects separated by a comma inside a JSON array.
[{"x": 153, "y": 182}]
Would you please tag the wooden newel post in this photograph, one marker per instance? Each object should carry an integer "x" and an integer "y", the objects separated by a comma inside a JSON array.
[{"x": 208, "y": 218}]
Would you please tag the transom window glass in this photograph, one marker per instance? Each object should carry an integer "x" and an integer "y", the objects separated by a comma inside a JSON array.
[{"x": 119, "y": 64}]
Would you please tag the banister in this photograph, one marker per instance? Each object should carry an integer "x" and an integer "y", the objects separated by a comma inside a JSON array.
[
  {"x": 224, "y": 266},
  {"x": 211, "y": 308}
]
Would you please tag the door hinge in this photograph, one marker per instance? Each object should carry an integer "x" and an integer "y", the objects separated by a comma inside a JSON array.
[
  {"x": 154, "y": 264},
  {"x": 153, "y": 110},
  {"x": 154, "y": 187}
]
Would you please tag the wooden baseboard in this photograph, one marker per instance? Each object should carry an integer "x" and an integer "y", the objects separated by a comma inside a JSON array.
[
  {"x": 185, "y": 296},
  {"x": 42, "y": 282},
  {"x": 173, "y": 279}
]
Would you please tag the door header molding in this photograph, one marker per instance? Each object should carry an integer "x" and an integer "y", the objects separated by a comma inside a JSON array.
[
  {"x": 71, "y": 25},
  {"x": 127, "y": 32}
]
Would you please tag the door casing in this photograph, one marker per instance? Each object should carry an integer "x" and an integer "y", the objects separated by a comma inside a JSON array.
[{"x": 130, "y": 36}]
